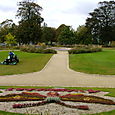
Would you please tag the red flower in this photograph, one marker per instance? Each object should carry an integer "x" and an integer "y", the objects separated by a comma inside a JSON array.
[
  {"x": 10, "y": 89},
  {"x": 92, "y": 91},
  {"x": 52, "y": 94}
]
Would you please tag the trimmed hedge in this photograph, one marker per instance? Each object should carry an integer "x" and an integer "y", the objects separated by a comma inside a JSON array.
[
  {"x": 84, "y": 50},
  {"x": 9, "y": 47},
  {"x": 31, "y": 49}
]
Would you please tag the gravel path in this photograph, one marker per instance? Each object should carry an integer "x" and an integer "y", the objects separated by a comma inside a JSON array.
[{"x": 57, "y": 73}]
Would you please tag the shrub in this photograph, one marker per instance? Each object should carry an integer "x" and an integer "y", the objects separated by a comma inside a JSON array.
[
  {"x": 9, "y": 47},
  {"x": 49, "y": 51},
  {"x": 84, "y": 49},
  {"x": 32, "y": 49}
]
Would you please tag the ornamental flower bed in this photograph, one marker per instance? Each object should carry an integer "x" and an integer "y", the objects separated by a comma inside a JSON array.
[
  {"x": 83, "y": 107},
  {"x": 10, "y": 89},
  {"x": 29, "y": 104},
  {"x": 53, "y": 96},
  {"x": 86, "y": 99},
  {"x": 20, "y": 89},
  {"x": 53, "y": 89},
  {"x": 92, "y": 91},
  {"x": 24, "y": 96}
]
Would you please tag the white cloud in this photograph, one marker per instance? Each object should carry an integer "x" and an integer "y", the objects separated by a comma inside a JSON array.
[
  {"x": 70, "y": 12},
  {"x": 55, "y": 12}
]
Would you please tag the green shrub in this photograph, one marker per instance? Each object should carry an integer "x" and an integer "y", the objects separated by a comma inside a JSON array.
[
  {"x": 49, "y": 51},
  {"x": 32, "y": 49},
  {"x": 79, "y": 50},
  {"x": 16, "y": 47},
  {"x": 38, "y": 50},
  {"x": 9, "y": 47}
]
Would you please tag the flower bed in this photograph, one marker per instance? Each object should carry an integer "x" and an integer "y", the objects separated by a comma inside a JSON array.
[
  {"x": 86, "y": 99},
  {"x": 52, "y": 97},
  {"x": 53, "y": 89},
  {"x": 73, "y": 98},
  {"x": 24, "y": 96}
]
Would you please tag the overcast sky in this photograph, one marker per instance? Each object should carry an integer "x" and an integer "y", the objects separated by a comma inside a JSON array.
[{"x": 55, "y": 12}]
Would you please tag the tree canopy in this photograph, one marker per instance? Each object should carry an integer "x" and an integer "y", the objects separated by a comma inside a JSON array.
[
  {"x": 98, "y": 29},
  {"x": 66, "y": 35},
  {"x": 10, "y": 39},
  {"x": 83, "y": 36},
  {"x": 6, "y": 27},
  {"x": 48, "y": 35},
  {"x": 29, "y": 29},
  {"x": 102, "y": 22}
]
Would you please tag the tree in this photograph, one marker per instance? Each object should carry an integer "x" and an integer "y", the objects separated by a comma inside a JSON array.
[
  {"x": 6, "y": 27},
  {"x": 83, "y": 36},
  {"x": 48, "y": 35},
  {"x": 59, "y": 29},
  {"x": 10, "y": 39},
  {"x": 102, "y": 22},
  {"x": 29, "y": 30},
  {"x": 66, "y": 36}
]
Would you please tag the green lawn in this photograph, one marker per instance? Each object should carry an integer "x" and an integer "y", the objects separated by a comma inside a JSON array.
[
  {"x": 29, "y": 62},
  {"x": 94, "y": 63}
]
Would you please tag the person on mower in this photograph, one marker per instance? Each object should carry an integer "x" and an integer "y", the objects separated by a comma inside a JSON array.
[{"x": 11, "y": 54}]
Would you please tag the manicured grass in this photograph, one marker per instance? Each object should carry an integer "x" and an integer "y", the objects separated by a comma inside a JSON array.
[
  {"x": 111, "y": 90},
  {"x": 9, "y": 113},
  {"x": 94, "y": 63},
  {"x": 103, "y": 113},
  {"x": 29, "y": 62}
]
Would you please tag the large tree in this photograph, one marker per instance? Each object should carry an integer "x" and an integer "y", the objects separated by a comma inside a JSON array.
[
  {"x": 102, "y": 22},
  {"x": 66, "y": 35},
  {"x": 83, "y": 35},
  {"x": 29, "y": 30},
  {"x": 48, "y": 35}
]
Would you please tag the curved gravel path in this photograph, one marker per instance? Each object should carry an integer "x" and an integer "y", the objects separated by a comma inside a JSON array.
[{"x": 57, "y": 73}]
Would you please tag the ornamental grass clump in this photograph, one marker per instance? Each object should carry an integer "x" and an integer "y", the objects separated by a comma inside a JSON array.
[{"x": 52, "y": 99}]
